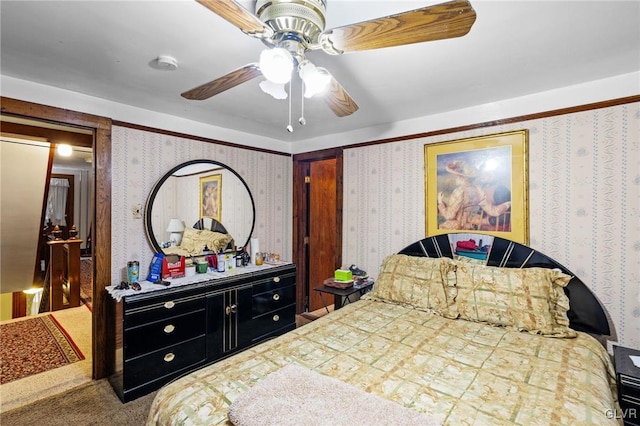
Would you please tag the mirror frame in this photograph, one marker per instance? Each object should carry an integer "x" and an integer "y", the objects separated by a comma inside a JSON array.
[{"x": 156, "y": 187}]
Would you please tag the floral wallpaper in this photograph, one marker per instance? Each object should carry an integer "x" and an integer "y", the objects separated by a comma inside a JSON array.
[
  {"x": 584, "y": 201},
  {"x": 140, "y": 158}
]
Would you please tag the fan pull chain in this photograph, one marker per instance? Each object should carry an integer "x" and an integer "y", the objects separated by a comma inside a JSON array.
[
  {"x": 290, "y": 127},
  {"x": 302, "y": 120}
]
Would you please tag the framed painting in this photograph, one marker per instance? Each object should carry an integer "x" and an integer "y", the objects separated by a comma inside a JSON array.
[
  {"x": 211, "y": 197},
  {"x": 479, "y": 184}
]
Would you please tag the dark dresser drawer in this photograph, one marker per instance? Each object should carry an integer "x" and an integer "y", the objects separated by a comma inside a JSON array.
[
  {"x": 273, "y": 283},
  {"x": 629, "y": 399},
  {"x": 628, "y": 381},
  {"x": 265, "y": 324},
  {"x": 166, "y": 332},
  {"x": 161, "y": 309},
  {"x": 155, "y": 365},
  {"x": 273, "y": 300}
]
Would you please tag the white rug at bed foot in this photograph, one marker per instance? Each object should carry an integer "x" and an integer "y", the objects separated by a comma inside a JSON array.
[{"x": 295, "y": 395}]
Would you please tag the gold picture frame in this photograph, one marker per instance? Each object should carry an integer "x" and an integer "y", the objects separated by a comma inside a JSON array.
[
  {"x": 211, "y": 197},
  {"x": 479, "y": 184}
]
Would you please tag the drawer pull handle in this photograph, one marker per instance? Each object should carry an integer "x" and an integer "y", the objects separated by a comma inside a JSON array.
[
  {"x": 170, "y": 304},
  {"x": 276, "y": 297},
  {"x": 276, "y": 279},
  {"x": 169, "y": 328},
  {"x": 231, "y": 309},
  {"x": 169, "y": 357},
  {"x": 276, "y": 318}
]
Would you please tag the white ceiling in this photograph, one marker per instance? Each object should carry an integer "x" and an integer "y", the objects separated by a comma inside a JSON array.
[{"x": 515, "y": 48}]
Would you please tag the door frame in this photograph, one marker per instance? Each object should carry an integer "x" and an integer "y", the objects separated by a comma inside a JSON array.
[
  {"x": 102, "y": 329},
  {"x": 301, "y": 163}
]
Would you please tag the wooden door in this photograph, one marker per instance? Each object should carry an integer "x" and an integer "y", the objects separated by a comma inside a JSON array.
[
  {"x": 322, "y": 226},
  {"x": 317, "y": 235}
]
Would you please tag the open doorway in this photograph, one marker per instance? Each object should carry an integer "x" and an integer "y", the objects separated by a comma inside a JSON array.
[
  {"x": 44, "y": 187},
  {"x": 100, "y": 127}
]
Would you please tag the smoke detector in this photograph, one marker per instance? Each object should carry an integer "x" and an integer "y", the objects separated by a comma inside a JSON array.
[{"x": 164, "y": 63}]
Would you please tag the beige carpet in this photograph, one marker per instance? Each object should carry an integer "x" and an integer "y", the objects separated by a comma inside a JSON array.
[
  {"x": 77, "y": 322},
  {"x": 93, "y": 403}
]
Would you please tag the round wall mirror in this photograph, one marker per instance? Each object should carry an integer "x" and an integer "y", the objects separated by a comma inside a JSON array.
[{"x": 198, "y": 194}]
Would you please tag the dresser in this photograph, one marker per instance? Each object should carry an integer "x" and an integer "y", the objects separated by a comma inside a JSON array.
[
  {"x": 628, "y": 381},
  {"x": 171, "y": 331}
]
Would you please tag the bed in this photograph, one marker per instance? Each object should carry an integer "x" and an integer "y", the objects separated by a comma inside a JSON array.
[{"x": 505, "y": 339}]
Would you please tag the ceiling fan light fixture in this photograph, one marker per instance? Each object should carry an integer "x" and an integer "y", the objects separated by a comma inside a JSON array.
[
  {"x": 294, "y": 27},
  {"x": 316, "y": 79},
  {"x": 276, "y": 65},
  {"x": 274, "y": 89}
]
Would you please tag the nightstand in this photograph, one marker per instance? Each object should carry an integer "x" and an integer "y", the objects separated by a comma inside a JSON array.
[
  {"x": 628, "y": 379},
  {"x": 342, "y": 296}
]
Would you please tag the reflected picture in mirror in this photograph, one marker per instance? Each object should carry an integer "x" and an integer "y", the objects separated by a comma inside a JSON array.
[
  {"x": 180, "y": 194},
  {"x": 211, "y": 196}
]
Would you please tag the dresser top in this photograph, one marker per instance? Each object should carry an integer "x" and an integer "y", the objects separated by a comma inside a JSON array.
[{"x": 147, "y": 286}]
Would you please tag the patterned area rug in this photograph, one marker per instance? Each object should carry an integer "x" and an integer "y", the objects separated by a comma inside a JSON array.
[
  {"x": 34, "y": 345},
  {"x": 86, "y": 281}
]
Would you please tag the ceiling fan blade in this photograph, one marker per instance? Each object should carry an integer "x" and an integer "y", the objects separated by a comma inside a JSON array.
[
  {"x": 237, "y": 15},
  {"x": 226, "y": 82},
  {"x": 441, "y": 21},
  {"x": 338, "y": 100}
]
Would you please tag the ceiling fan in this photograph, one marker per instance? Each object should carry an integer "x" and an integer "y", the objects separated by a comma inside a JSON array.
[{"x": 291, "y": 28}]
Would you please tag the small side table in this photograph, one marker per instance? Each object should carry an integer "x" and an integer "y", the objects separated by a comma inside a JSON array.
[
  {"x": 628, "y": 379},
  {"x": 342, "y": 296}
]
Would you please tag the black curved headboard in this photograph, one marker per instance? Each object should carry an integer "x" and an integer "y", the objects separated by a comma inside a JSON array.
[
  {"x": 214, "y": 226},
  {"x": 585, "y": 313}
]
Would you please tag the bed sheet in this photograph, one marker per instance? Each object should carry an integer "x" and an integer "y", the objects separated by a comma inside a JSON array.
[{"x": 459, "y": 372}]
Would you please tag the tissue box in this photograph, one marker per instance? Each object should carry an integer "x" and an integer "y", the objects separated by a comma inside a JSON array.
[
  {"x": 173, "y": 266},
  {"x": 343, "y": 275}
]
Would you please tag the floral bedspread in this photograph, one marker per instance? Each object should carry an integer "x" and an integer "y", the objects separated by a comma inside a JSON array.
[{"x": 457, "y": 371}]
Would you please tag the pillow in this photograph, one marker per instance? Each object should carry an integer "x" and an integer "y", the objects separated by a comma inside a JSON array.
[
  {"x": 529, "y": 299},
  {"x": 216, "y": 241},
  {"x": 189, "y": 240},
  {"x": 194, "y": 240},
  {"x": 422, "y": 282}
]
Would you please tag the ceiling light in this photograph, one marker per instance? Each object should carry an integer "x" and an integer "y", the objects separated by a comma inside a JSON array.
[
  {"x": 316, "y": 79},
  {"x": 65, "y": 150},
  {"x": 276, "y": 65},
  {"x": 274, "y": 89}
]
